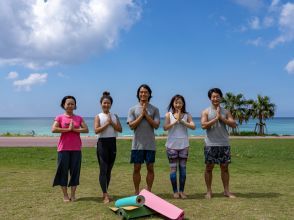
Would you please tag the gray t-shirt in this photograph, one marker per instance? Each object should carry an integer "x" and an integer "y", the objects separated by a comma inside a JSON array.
[
  {"x": 144, "y": 138},
  {"x": 217, "y": 135}
]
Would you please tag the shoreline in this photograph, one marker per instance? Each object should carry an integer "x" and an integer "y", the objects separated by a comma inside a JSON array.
[{"x": 91, "y": 141}]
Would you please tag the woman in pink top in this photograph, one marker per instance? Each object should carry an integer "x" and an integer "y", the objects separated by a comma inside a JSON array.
[{"x": 69, "y": 147}]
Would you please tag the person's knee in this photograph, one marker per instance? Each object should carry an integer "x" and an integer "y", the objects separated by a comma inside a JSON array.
[
  {"x": 150, "y": 168},
  {"x": 209, "y": 168},
  {"x": 224, "y": 168},
  {"x": 137, "y": 168}
]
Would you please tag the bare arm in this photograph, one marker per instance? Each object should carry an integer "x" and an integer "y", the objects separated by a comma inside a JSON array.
[
  {"x": 97, "y": 127},
  {"x": 117, "y": 125},
  {"x": 167, "y": 125},
  {"x": 82, "y": 129},
  {"x": 153, "y": 123},
  {"x": 205, "y": 124},
  {"x": 229, "y": 120},
  {"x": 57, "y": 129},
  {"x": 189, "y": 124},
  {"x": 134, "y": 124}
]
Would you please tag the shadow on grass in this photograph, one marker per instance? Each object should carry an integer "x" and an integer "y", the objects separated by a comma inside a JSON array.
[
  {"x": 200, "y": 196},
  {"x": 189, "y": 196},
  {"x": 251, "y": 195}
]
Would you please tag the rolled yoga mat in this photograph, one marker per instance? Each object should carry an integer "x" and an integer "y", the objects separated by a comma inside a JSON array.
[
  {"x": 130, "y": 201},
  {"x": 135, "y": 213},
  {"x": 161, "y": 206}
]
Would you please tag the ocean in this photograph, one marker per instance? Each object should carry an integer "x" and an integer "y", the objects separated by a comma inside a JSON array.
[{"x": 42, "y": 126}]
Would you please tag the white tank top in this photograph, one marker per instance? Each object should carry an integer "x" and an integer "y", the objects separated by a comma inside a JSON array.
[
  {"x": 109, "y": 130},
  {"x": 178, "y": 134}
]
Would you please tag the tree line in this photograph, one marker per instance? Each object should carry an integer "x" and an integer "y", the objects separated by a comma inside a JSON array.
[{"x": 243, "y": 109}]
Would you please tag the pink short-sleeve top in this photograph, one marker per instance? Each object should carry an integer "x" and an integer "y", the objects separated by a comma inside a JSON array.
[{"x": 71, "y": 140}]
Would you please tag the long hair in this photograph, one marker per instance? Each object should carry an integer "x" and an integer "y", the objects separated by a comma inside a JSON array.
[{"x": 171, "y": 104}]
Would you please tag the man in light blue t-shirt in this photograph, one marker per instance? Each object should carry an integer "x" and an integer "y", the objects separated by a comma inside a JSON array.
[{"x": 143, "y": 118}]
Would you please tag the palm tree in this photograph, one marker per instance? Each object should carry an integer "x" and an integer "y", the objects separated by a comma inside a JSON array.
[
  {"x": 238, "y": 106},
  {"x": 262, "y": 109}
]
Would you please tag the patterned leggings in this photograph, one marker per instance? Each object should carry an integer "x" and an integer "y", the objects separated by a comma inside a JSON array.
[{"x": 177, "y": 158}]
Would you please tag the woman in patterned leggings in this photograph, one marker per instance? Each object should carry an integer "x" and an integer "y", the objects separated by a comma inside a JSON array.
[{"x": 177, "y": 122}]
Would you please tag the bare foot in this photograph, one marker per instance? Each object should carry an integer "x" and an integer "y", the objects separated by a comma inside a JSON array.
[
  {"x": 106, "y": 200},
  {"x": 66, "y": 198},
  {"x": 208, "y": 195},
  {"x": 176, "y": 195},
  {"x": 229, "y": 195},
  {"x": 183, "y": 195}
]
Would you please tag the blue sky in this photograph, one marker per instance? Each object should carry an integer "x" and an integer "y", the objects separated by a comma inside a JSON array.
[{"x": 84, "y": 47}]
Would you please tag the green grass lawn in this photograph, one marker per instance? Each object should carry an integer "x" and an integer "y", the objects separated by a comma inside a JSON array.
[{"x": 261, "y": 177}]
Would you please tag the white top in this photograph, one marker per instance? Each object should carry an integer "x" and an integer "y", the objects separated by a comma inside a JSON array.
[
  {"x": 178, "y": 134},
  {"x": 109, "y": 130}
]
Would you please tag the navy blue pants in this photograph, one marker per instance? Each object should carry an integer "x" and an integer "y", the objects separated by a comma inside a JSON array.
[
  {"x": 68, "y": 161},
  {"x": 106, "y": 153}
]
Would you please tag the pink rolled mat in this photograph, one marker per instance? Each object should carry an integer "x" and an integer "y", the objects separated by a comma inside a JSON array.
[{"x": 161, "y": 206}]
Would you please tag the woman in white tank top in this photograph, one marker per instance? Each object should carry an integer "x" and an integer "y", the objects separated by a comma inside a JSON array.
[
  {"x": 177, "y": 122},
  {"x": 106, "y": 125}
]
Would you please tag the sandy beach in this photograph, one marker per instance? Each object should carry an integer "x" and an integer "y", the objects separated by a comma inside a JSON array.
[{"x": 91, "y": 141}]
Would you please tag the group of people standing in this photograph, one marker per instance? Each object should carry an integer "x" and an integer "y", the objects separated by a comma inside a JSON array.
[{"x": 143, "y": 118}]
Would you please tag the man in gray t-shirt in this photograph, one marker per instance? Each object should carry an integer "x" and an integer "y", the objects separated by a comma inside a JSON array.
[
  {"x": 217, "y": 150},
  {"x": 143, "y": 118}
]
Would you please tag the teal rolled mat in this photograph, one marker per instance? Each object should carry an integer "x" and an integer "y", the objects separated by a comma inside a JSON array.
[
  {"x": 135, "y": 213},
  {"x": 130, "y": 201}
]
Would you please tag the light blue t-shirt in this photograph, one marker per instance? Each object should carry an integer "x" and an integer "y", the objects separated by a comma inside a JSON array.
[{"x": 144, "y": 138}]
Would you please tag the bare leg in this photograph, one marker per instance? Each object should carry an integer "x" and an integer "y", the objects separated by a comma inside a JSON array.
[
  {"x": 137, "y": 177},
  {"x": 150, "y": 176},
  {"x": 208, "y": 179},
  {"x": 73, "y": 193},
  {"x": 226, "y": 179},
  {"x": 65, "y": 195}
]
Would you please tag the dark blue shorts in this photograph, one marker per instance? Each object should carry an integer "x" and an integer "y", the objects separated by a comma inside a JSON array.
[{"x": 141, "y": 156}]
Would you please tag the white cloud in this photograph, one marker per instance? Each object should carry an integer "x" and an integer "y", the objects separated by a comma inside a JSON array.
[
  {"x": 254, "y": 23},
  {"x": 286, "y": 25},
  {"x": 274, "y": 5},
  {"x": 268, "y": 21},
  {"x": 39, "y": 34},
  {"x": 290, "y": 67},
  {"x": 12, "y": 75},
  {"x": 256, "y": 42},
  {"x": 33, "y": 79}
]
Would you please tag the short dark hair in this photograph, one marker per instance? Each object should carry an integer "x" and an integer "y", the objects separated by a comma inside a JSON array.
[
  {"x": 215, "y": 90},
  {"x": 171, "y": 106},
  {"x": 68, "y": 97},
  {"x": 106, "y": 95},
  {"x": 146, "y": 87}
]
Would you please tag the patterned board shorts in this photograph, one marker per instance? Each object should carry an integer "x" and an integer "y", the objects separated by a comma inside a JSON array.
[{"x": 217, "y": 154}]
